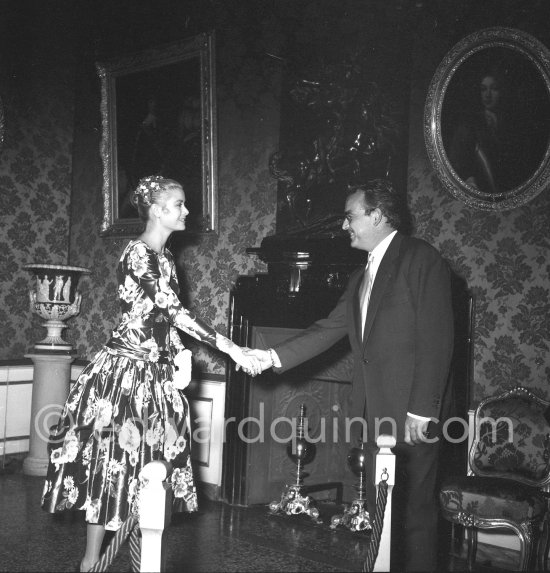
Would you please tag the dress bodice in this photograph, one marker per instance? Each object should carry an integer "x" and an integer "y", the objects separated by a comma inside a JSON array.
[{"x": 148, "y": 292}]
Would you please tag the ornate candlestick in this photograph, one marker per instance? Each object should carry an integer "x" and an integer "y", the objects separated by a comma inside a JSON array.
[
  {"x": 356, "y": 516},
  {"x": 55, "y": 299},
  {"x": 301, "y": 452}
]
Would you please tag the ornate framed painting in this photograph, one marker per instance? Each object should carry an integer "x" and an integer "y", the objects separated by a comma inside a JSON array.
[
  {"x": 158, "y": 112},
  {"x": 487, "y": 119}
]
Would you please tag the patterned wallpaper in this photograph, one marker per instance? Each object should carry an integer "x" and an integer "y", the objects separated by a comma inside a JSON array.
[
  {"x": 502, "y": 256},
  {"x": 36, "y": 87}
]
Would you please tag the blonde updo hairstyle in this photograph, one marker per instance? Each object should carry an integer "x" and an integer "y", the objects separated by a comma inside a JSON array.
[{"x": 151, "y": 190}]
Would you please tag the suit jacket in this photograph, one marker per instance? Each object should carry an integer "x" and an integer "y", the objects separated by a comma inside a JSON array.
[{"x": 401, "y": 362}]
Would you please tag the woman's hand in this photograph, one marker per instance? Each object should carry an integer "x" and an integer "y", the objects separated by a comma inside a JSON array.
[
  {"x": 249, "y": 363},
  {"x": 267, "y": 358}
]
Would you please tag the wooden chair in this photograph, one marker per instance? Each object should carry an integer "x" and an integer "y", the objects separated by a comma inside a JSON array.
[{"x": 510, "y": 464}]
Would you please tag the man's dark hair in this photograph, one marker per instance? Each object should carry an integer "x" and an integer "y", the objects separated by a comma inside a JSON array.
[{"x": 381, "y": 194}]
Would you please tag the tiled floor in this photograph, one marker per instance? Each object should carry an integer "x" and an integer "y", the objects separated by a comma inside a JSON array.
[{"x": 217, "y": 538}]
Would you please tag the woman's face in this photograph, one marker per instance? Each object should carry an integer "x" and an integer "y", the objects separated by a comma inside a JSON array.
[
  {"x": 490, "y": 93},
  {"x": 174, "y": 211}
]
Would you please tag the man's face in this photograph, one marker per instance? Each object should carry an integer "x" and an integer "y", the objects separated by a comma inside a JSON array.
[
  {"x": 359, "y": 223},
  {"x": 490, "y": 93}
]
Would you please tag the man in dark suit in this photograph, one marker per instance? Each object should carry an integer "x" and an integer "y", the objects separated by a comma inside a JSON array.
[{"x": 398, "y": 316}]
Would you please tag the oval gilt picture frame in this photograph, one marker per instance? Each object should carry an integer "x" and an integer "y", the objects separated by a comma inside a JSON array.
[{"x": 487, "y": 119}]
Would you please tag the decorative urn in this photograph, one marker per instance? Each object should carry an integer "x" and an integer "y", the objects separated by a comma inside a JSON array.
[{"x": 55, "y": 299}]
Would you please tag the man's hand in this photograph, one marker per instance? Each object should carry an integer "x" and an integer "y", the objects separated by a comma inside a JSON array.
[{"x": 416, "y": 431}]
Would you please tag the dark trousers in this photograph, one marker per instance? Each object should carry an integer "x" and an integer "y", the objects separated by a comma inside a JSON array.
[{"x": 414, "y": 508}]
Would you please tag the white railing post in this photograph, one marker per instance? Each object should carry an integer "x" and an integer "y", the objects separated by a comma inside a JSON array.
[
  {"x": 385, "y": 471},
  {"x": 154, "y": 514}
]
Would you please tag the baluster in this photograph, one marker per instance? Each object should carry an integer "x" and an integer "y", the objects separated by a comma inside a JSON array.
[
  {"x": 154, "y": 514},
  {"x": 385, "y": 471}
]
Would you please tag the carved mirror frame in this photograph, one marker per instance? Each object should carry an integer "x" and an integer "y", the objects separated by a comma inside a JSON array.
[
  {"x": 531, "y": 61},
  {"x": 182, "y": 77}
]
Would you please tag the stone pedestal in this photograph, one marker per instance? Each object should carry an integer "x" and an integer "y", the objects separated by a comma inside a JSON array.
[{"x": 51, "y": 380}]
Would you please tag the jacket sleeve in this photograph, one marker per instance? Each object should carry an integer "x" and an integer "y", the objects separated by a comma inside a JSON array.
[
  {"x": 315, "y": 339},
  {"x": 431, "y": 285}
]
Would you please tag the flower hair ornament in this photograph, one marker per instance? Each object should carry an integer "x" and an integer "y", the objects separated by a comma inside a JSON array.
[{"x": 146, "y": 187}]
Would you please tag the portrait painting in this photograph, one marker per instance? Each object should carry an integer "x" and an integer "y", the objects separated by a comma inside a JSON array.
[
  {"x": 487, "y": 119},
  {"x": 159, "y": 119}
]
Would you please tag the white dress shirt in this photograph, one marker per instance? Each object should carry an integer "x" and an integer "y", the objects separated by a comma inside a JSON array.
[{"x": 375, "y": 258}]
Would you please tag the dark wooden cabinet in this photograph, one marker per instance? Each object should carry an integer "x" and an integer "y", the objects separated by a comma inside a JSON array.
[{"x": 302, "y": 285}]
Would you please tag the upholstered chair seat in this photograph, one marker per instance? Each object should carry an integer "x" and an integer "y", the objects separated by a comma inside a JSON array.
[
  {"x": 509, "y": 463},
  {"x": 465, "y": 498}
]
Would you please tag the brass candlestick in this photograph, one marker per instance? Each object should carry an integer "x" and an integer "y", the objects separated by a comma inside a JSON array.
[
  {"x": 356, "y": 516},
  {"x": 293, "y": 501}
]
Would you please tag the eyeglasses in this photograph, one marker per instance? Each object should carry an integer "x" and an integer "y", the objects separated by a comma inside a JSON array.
[{"x": 351, "y": 216}]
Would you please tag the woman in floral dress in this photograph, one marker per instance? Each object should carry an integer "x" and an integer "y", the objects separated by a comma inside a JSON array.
[{"x": 127, "y": 408}]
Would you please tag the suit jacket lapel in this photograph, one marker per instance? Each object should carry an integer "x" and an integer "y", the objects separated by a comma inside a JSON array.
[{"x": 383, "y": 275}]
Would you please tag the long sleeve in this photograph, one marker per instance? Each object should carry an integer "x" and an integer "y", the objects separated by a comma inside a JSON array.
[
  {"x": 317, "y": 338},
  {"x": 143, "y": 268},
  {"x": 433, "y": 332}
]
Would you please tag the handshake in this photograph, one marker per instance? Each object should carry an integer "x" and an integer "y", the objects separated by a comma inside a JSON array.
[{"x": 254, "y": 361}]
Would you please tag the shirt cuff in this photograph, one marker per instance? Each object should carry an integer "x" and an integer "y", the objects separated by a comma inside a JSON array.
[
  {"x": 275, "y": 358},
  {"x": 417, "y": 417}
]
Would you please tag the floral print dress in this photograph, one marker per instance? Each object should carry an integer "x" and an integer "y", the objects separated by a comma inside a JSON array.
[{"x": 126, "y": 408}]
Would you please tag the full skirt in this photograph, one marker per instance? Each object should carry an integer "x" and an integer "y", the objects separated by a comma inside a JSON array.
[{"x": 121, "y": 414}]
